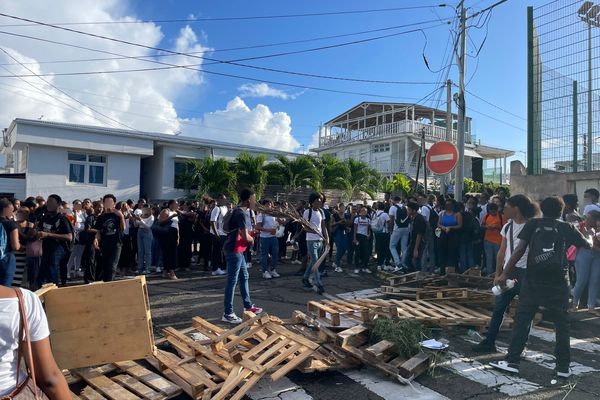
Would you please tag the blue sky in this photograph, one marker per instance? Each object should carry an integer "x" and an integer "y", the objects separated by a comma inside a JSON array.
[{"x": 498, "y": 74}]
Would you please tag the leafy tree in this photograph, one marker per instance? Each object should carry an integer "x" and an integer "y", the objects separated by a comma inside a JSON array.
[
  {"x": 362, "y": 178},
  {"x": 293, "y": 174},
  {"x": 213, "y": 176},
  {"x": 251, "y": 172},
  {"x": 332, "y": 173},
  {"x": 402, "y": 184}
]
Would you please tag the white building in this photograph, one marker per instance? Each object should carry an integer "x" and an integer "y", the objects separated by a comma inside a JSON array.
[
  {"x": 78, "y": 161},
  {"x": 388, "y": 137}
]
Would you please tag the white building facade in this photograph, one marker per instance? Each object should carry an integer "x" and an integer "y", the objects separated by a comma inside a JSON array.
[
  {"x": 388, "y": 137},
  {"x": 79, "y": 161}
]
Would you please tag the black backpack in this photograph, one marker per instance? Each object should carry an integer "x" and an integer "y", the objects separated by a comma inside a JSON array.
[
  {"x": 433, "y": 217},
  {"x": 547, "y": 253},
  {"x": 402, "y": 220}
]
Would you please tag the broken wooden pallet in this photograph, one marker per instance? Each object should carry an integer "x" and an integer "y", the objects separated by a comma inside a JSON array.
[
  {"x": 382, "y": 355},
  {"x": 228, "y": 363},
  {"x": 128, "y": 381},
  {"x": 445, "y": 313},
  {"x": 458, "y": 295},
  {"x": 470, "y": 281}
]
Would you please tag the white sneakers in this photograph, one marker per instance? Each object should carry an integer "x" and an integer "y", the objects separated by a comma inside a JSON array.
[
  {"x": 248, "y": 265},
  {"x": 270, "y": 274},
  {"x": 388, "y": 268},
  {"x": 231, "y": 318},
  {"x": 366, "y": 271},
  {"x": 338, "y": 269},
  {"x": 357, "y": 271},
  {"x": 218, "y": 272}
]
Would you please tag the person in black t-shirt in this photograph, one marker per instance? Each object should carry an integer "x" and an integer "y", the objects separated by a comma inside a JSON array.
[
  {"x": 8, "y": 264},
  {"x": 418, "y": 230},
  {"x": 90, "y": 258},
  {"x": 108, "y": 241},
  {"x": 56, "y": 233},
  {"x": 545, "y": 283}
]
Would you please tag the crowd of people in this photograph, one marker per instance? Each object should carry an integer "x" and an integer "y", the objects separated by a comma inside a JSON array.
[{"x": 550, "y": 252}]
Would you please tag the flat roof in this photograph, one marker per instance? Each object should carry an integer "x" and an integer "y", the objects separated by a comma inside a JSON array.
[{"x": 155, "y": 136}]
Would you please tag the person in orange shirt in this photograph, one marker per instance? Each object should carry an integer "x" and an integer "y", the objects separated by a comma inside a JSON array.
[{"x": 492, "y": 223}]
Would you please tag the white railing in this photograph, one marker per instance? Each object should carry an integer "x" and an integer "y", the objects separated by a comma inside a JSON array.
[{"x": 414, "y": 128}]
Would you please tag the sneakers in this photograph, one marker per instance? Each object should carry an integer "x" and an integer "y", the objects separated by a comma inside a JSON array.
[
  {"x": 506, "y": 366},
  {"x": 254, "y": 309},
  {"x": 357, "y": 271},
  {"x": 379, "y": 268},
  {"x": 484, "y": 347},
  {"x": 334, "y": 265},
  {"x": 218, "y": 272},
  {"x": 231, "y": 318},
  {"x": 296, "y": 262},
  {"x": 274, "y": 274},
  {"x": 171, "y": 275},
  {"x": 398, "y": 270},
  {"x": 366, "y": 271},
  {"x": 338, "y": 269},
  {"x": 267, "y": 275},
  {"x": 158, "y": 270},
  {"x": 319, "y": 289},
  {"x": 306, "y": 284},
  {"x": 562, "y": 372},
  {"x": 388, "y": 268}
]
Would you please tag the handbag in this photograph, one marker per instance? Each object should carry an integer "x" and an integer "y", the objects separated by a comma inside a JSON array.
[{"x": 28, "y": 389}]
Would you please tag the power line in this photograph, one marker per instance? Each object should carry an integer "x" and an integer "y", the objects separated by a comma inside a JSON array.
[
  {"x": 255, "y": 17},
  {"x": 188, "y": 67},
  {"x": 65, "y": 93},
  {"x": 496, "y": 106},
  {"x": 497, "y": 119},
  {"x": 155, "y": 55}
]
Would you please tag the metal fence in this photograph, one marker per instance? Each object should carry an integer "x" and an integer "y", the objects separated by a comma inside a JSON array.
[{"x": 563, "y": 132}]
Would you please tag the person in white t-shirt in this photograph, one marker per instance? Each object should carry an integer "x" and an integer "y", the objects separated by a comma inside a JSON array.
[
  {"x": 316, "y": 240},
  {"x": 218, "y": 235},
  {"x": 382, "y": 238},
  {"x": 519, "y": 209},
  {"x": 362, "y": 234},
  {"x": 590, "y": 199},
  {"x": 49, "y": 377},
  {"x": 267, "y": 225}
]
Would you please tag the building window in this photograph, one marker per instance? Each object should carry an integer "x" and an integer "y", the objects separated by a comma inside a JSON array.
[
  {"x": 87, "y": 168},
  {"x": 381, "y": 148},
  {"x": 183, "y": 169}
]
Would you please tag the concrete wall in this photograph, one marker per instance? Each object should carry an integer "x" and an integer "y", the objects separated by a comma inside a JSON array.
[
  {"x": 48, "y": 172},
  {"x": 14, "y": 186},
  {"x": 541, "y": 186}
]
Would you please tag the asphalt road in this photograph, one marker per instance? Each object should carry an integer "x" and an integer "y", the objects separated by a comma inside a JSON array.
[{"x": 461, "y": 375}]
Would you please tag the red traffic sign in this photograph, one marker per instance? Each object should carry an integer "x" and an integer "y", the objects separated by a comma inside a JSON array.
[{"x": 442, "y": 158}]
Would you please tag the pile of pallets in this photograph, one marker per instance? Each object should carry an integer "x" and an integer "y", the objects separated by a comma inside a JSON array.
[{"x": 468, "y": 288}]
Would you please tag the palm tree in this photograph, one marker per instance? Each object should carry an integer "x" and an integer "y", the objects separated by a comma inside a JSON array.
[
  {"x": 332, "y": 173},
  {"x": 402, "y": 184},
  {"x": 214, "y": 176},
  {"x": 362, "y": 178},
  {"x": 251, "y": 172},
  {"x": 293, "y": 174}
]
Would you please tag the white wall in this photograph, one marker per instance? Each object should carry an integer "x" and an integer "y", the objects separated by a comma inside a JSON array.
[
  {"x": 167, "y": 156},
  {"x": 12, "y": 185},
  {"x": 48, "y": 170}
]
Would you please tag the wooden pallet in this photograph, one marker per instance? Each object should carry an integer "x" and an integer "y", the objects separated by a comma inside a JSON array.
[
  {"x": 458, "y": 295},
  {"x": 403, "y": 292},
  {"x": 469, "y": 281},
  {"x": 228, "y": 363},
  {"x": 128, "y": 381},
  {"x": 381, "y": 355}
]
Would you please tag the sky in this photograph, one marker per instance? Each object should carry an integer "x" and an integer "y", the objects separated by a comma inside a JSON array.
[{"x": 256, "y": 107}]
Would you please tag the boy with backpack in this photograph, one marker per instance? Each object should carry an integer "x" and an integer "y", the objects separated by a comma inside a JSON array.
[
  {"x": 545, "y": 283},
  {"x": 399, "y": 223},
  {"x": 379, "y": 225}
]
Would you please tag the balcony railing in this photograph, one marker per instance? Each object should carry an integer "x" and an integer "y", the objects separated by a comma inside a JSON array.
[{"x": 414, "y": 128}]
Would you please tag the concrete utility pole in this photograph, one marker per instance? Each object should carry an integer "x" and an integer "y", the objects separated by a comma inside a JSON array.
[
  {"x": 460, "y": 138},
  {"x": 449, "y": 126},
  {"x": 588, "y": 160}
]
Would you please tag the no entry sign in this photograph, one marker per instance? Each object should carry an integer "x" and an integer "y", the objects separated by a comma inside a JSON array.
[{"x": 442, "y": 158}]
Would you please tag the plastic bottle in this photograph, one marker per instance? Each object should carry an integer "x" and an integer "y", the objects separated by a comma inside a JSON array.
[{"x": 498, "y": 290}]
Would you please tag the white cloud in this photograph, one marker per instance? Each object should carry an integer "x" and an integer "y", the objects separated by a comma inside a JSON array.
[
  {"x": 238, "y": 123},
  {"x": 264, "y": 90}
]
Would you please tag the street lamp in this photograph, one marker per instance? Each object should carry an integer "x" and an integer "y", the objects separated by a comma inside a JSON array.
[{"x": 590, "y": 14}]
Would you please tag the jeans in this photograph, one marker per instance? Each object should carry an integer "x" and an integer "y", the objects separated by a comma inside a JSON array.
[
  {"x": 109, "y": 260},
  {"x": 156, "y": 253},
  {"x": 587, "y": 268},
  {"x": 74, "y": 263},
  {"x": 399, "y": 235},
  {"x": 51, "y": 265},
  {"x": 144, "y": 246},
  {"x": 428, "y": 258},
  {"x": 341, "y": 245},
  {"x": 502, "y": 303},
  {"x": 364, "y": 252},
  {"x": 491, "y": 251},
  {"x": 465, "y": 257},
  {"x": 315, "y": 249},
  {"x": 236, "y": 270},
  {"x": 8, "y": 266},
  {"x": 382, "y": 248},
  {"x": 269, "y": 245},
  {"x": 350, "y": 253}
]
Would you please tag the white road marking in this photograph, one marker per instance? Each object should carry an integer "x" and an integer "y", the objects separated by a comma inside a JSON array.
[
  {"x": 580, "y": 344},
  {"x": 485, "y": 375},
  {"x": 544, "y": 360},
  {"x": 385, "y": 386},
  {"x": 283, "y": 389}
]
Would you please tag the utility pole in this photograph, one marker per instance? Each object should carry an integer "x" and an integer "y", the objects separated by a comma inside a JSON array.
[
  {"x": 588, "y": 160},
  {"x": 449, "y": 127},
  {"x": 460, "y": 138}
]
